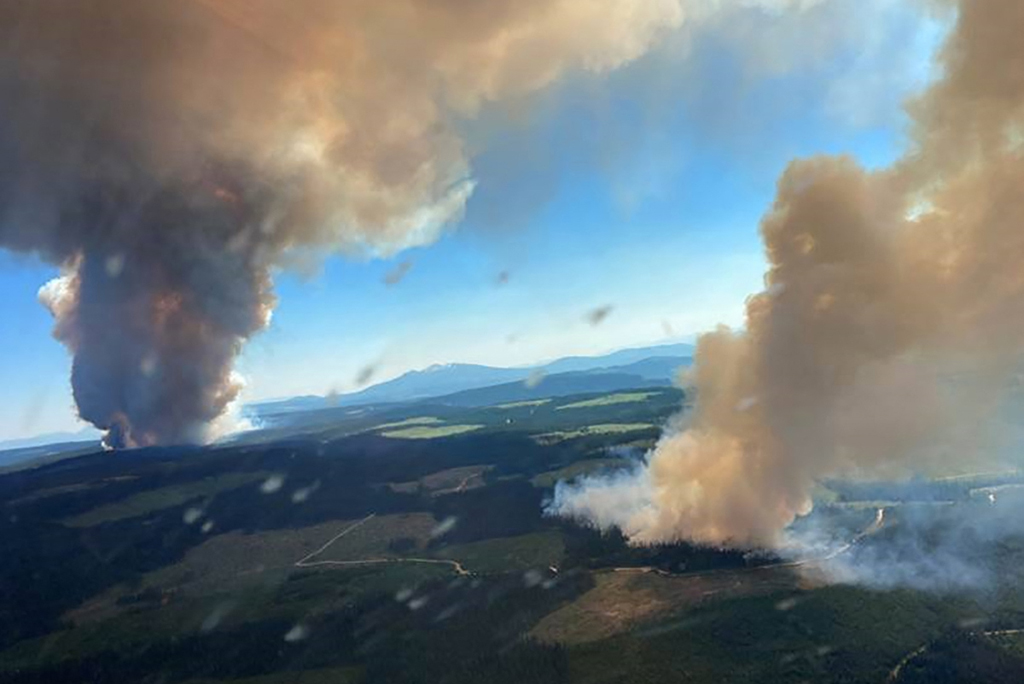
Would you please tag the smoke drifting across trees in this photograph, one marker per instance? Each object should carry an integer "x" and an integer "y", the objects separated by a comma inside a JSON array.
[{"x": 892, "y": 315}]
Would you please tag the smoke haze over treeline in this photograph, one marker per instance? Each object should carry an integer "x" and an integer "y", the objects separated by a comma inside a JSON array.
[{"x": 890, "y": 324}]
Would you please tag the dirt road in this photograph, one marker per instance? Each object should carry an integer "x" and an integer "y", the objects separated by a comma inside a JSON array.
[
  {"x": 308, "y": 562},
  {"x": 895, "y": 672}
]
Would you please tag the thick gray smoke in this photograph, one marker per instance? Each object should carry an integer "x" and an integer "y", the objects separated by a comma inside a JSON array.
[
  {"x": 892, "y": 316},
  {"x": 168, "y": 154}
]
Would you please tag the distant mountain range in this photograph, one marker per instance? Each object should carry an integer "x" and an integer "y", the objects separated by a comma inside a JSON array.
[
  {"x": 472, "y": 385},
  {"x": 86, "y": 434},
  {"x": 455, "y": 384},
  {"x": 14, "y": 457},
  {"x": 557, "y": 385}
]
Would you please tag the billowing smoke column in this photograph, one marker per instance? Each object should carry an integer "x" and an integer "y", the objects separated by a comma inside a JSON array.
[
  {"x": 168, "y": 154},
  {"x": 892, "y": 316}
]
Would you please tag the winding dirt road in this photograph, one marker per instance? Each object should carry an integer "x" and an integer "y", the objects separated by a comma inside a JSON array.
[
  {"x": 894, "y": 673},
  {"x": 308, "y": 562}
]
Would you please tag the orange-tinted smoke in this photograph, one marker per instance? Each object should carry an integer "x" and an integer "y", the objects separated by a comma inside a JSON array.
[
  {"x": 890, "y": 324},
  {"x": 169, "y": 153}
]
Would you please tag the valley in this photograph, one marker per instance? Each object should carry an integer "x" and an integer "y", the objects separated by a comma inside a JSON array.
[{"x": 342, "y": 551}]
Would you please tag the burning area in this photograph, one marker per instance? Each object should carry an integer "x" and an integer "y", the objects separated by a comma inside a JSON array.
[
  {"x": 170, "y": 155},
  {"x": 888, "y": 332}
]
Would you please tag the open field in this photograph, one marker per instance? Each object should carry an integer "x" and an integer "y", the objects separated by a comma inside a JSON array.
[
  {"x": 428, "y": 432},
  {"x": 374, "y": 538},
  {"x": 591, "y": 430},
  {"x": 445, "y": 481},
  {"x": 610, "y": 400},
  {"x": 577, "y": 469},
  {"x": 409, "y": 422},
  {"x": 832, "y": 634},
  {"x": 164, "y": 497},
  {"x": 234, "y": 561},
  {"x": 355, "y": 423},
  {"x": 455, "y": 480},
  {"x": 302, "y": 596},
  {"x": 538, "y": 550},
  {"x": 628, "y": 598},
  {"x": 224, "y": 563},
  {"x": 65, "y": 489},
  {"x": 523, "y": 404}
]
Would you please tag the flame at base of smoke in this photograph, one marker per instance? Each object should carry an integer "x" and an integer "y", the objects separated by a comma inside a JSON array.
[{"x": 154, "y": 339}]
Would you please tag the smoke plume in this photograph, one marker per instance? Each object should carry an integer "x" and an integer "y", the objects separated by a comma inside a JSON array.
[
  {"x": 169, "y": 154},
  {"x": 893, "y": 311}
]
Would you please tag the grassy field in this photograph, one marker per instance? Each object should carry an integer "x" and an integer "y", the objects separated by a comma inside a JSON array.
[
  {"x": 224, "y": 563},
  {"x": 574, "y": 470},
  {"x": 428, "y": 432},
  {"x": 303, "y": 595},
  {"x": 236, "y": 562},
  {"x": 508, "y": 554},
  {"x": 589, "y": 430},
  {"x": 629, "y": 598},
  {"x": 307, "y": 588},
  {"x": 523, "y": 404},
  {"x": 373, "y": 538},
  {"x": 455, "y": 480},
  {"x": 118, "y": 630},
  {"x": 409, "y": 422},
  {"x": 610, "y": 400},
  {"x": 445, "y": 481},
  {"x": 163, "y": 497},
  {"x": 833, "y": 634},
  {"x": 971, "y": 477},
  {"x": 66, "y": 489}
]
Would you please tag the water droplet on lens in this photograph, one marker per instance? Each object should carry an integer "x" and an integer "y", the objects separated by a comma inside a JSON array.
[
  {"x": 272, "y": 484},
  {"x": 296, "y": 633},
  {"x": 444, "y": 527}
]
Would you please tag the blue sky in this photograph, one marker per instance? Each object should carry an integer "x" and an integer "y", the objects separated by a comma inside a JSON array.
[{"x": 642, "y": 192}]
